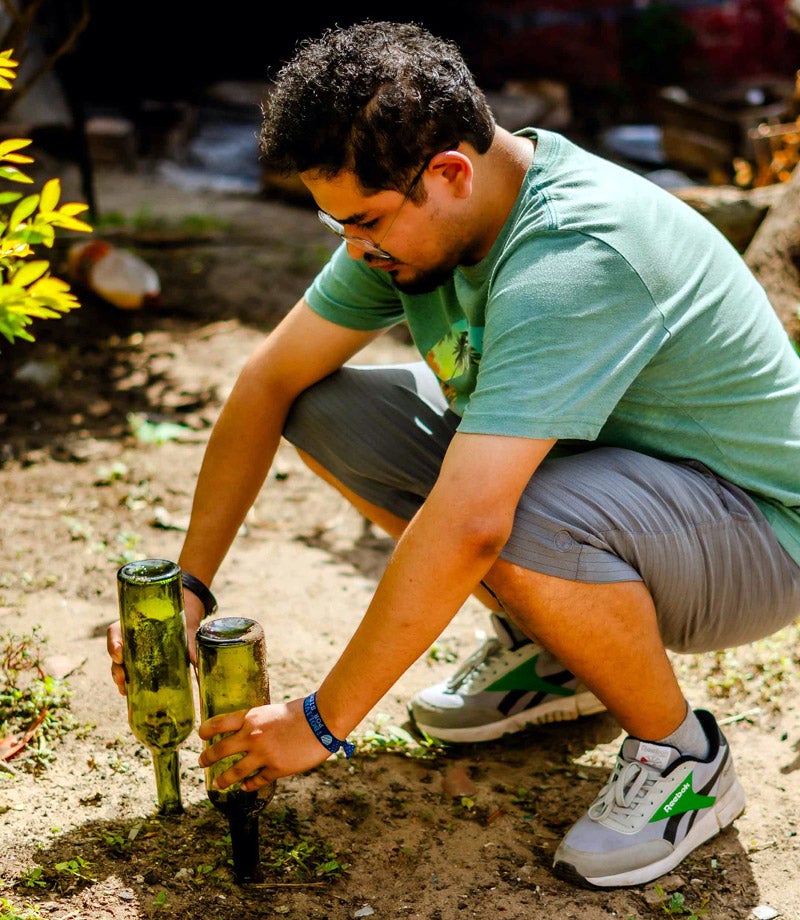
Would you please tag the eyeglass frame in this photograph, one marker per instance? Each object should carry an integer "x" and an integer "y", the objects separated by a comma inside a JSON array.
[{"x": 360, "y": 242}]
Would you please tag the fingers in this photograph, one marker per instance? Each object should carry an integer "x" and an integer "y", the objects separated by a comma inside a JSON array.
[
  {"x": 114, "y": 642},
  {"x": 270, "y": 741},
  {"x": 258, "y": 781},
  {"x": 247, "y": 771},
  {"x": 220, "y": 725},
  {"x": 114, "y": 646},
  {"x": 194, "y": 615}
]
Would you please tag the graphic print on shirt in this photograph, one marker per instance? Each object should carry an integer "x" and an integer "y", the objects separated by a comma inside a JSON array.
[{"x": 455, "y": 359}]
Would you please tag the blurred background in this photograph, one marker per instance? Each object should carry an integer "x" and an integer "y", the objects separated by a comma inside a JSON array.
[{"x": 673, "y": 89}]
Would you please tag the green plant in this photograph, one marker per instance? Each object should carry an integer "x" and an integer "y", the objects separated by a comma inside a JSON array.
[
  {"x": 675, "y": 905},
  {"x": 387, "y": 738},
  {"x": 27, "y": 289},
  {"x": 64, "y": 876},
  {"x": 10, "y": 911},
  {"x": 289, "y": 850},
  {"x": 34, "y": 706}
]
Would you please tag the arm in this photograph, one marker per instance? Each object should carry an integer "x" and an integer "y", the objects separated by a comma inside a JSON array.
[
  {"x": 300, "y": 351},
  {"x": 447, "y": 548}
]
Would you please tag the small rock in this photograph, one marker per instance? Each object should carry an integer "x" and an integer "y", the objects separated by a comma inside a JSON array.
[
  {"x": 364, "y": 912},
  {"x": 765, "y": 912},
  {"x": 455, "y": 782},
  {"x": 126, "y": 895},
  {"x": 58, "y": 665},
  {"x": 671, "y": 882}
]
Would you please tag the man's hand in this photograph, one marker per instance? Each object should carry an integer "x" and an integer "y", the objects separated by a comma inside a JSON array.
[
  {"x": 276, "y": 741},
  {"x": 194, "y": 616}
]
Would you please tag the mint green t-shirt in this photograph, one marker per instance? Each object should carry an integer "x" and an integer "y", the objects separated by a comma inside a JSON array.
[{"x": 609, "y": 311}]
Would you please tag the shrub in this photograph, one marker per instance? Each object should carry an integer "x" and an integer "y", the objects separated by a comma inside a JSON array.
[{"x": 28, "y": 291}]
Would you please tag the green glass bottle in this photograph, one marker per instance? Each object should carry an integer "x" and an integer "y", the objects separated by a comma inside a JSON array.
[
  {"x": 157, "y": 673},
  {"x": 232, "y": 675}
]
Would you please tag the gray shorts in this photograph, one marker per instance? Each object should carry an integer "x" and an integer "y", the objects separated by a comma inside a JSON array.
[{"x": 716, "y": 572}]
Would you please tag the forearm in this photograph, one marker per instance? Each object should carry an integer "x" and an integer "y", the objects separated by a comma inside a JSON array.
[
  {"x": 429, "y": 577},
  {"x": 300, "y": 351},
  {"x": 425, "y": 583},
  {"x": 239, "y": 454}
]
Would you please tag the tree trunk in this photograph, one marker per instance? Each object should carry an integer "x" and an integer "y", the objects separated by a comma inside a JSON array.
[
  {"x": 737, "y": 213},
  {"x": 774, "y": 256}
]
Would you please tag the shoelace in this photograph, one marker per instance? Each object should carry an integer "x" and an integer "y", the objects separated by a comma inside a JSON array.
[
  {"x": 477, "y": 661},
  {"x": 627, "y": 784}
]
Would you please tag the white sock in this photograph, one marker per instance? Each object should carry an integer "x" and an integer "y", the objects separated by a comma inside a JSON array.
[{"x": 688, "y": 737}]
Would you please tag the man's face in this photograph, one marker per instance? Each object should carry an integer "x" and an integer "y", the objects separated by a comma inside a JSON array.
[{"x": 418, "y": 245}]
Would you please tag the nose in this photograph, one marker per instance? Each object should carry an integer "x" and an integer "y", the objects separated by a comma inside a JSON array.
[{"x": 356, "y": 252}]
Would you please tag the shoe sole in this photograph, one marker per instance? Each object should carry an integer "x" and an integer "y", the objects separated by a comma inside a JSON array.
[
  {"x": 726, "y": 810},
  {"x": 561, "y": 709}
]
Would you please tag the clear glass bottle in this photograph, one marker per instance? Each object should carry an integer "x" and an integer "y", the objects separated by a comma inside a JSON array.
[
  {"x": 157, "y": 672},
  {"x": 232, "y": 675}
]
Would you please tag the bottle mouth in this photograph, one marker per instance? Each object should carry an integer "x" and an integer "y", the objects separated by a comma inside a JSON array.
[
  {"x": 148, "y": 571},
  {"x": 230, "y": 631}
]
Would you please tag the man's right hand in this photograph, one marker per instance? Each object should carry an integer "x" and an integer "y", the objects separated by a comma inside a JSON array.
[{"x": 194, "y": 616}]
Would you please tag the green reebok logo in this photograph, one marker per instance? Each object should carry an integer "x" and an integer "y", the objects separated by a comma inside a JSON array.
[
  {"x": 524, "y": 677},
  {"x": 682, "y": 800}
]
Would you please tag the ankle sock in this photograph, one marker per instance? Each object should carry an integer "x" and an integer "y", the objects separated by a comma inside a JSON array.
[{"x": 688, "y": 737}]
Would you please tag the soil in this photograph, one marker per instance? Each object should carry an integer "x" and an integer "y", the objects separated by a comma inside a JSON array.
[{"x": 399, "y": 831}]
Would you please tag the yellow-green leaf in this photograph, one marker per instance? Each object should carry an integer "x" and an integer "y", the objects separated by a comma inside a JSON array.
[
  {"x": 51, "y": 192},
  {"x": 17, "y": 158},
  {"x": 14, "y": 175},
  {"x": 72, "y": 208},
  {"x": 15, "y": 248},
  {"x": 68, "y": 223},
  {"x": 23, "y": 210},
  {"x": 30, "y": 272},
  {"x": 8, "y": 197},
  {"x": 49, "y": 287},
  {"x": 14, "y": 143}
]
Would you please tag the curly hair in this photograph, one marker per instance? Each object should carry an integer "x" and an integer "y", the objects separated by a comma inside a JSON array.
[{"x": 377, "y": 98}]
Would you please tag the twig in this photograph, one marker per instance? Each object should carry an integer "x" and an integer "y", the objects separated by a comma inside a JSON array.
[
  {"x": 287, "y": 885},
  {"x": 765, "y": 846},
  {"x": 16, "y": 746},
  {"x": 740, "y": 716}
]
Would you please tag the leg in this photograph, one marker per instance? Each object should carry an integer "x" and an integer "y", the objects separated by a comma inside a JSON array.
[
  {"x": 613, "y": 557},
  {"x": 378, "y": 435},
  {"x": 388, "y": 522},
  {"x": 563, "y": 615}
]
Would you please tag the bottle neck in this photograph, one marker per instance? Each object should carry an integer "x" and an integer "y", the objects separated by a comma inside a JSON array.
[{"x": 168, "y": 782}]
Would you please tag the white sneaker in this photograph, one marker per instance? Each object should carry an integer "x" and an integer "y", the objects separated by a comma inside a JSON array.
[
  {"x": 506, "y": 685},
  {"x": 658, "y": 806}
]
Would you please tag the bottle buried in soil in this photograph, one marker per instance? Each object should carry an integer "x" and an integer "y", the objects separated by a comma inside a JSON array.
[
  {"x": 232, "y": 675},
  {"x": 157, "y": 676}
]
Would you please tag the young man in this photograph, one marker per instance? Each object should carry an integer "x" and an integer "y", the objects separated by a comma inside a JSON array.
[{"x": 602, "y": 439}]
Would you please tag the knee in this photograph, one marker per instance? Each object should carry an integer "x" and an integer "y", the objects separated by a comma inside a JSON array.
[{"x": 313, "y": 414}]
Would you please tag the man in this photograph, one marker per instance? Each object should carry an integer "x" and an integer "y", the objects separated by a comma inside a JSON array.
[{"x": 607, "y": 452}]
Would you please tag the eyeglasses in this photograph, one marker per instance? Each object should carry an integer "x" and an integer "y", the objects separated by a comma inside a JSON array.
[{"x": 373, "y": 249}]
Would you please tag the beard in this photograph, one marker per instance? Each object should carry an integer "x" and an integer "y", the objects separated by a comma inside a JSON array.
[{"x": 425, "y": 282}]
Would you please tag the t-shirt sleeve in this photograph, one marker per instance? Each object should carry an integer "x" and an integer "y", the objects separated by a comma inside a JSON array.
[
  {"x": 350, "y": 294},
  {"x": 569, "y": 326}
]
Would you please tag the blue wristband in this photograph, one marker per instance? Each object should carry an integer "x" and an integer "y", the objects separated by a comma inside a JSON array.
[{"x": 321, "y": 730}]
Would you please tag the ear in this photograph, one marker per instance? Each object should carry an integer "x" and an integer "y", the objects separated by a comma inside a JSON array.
[{"x": 456, "y": 169}]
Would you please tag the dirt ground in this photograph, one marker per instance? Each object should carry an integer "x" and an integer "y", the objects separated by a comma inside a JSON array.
[{"x": 400, "y": 831}]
